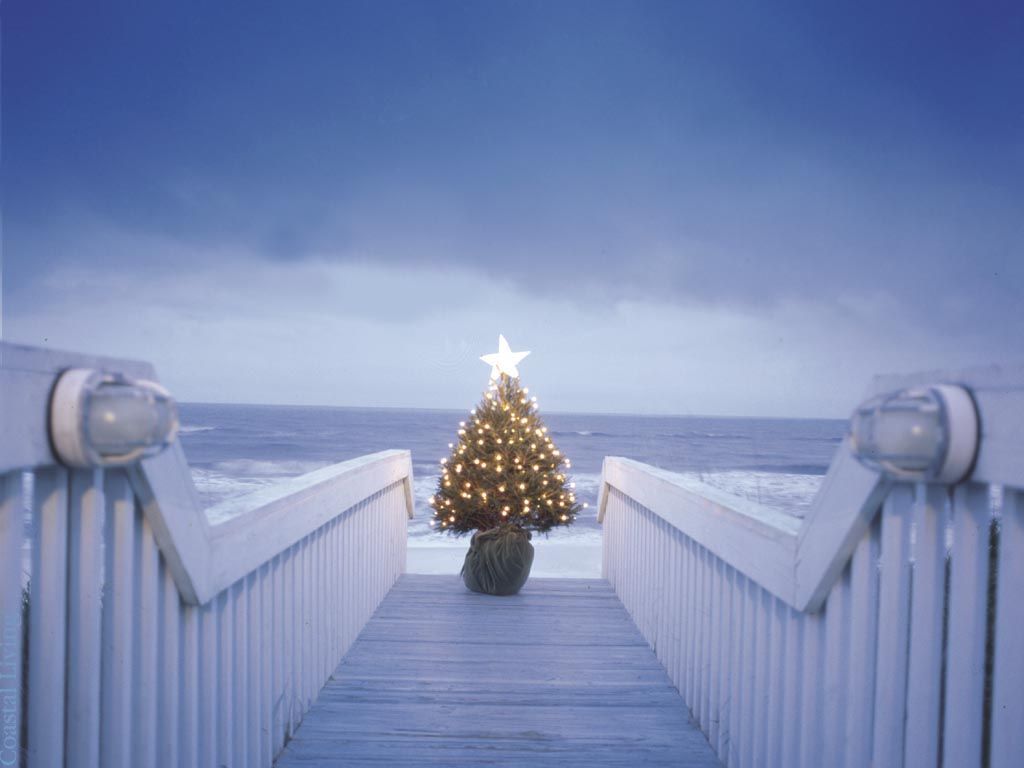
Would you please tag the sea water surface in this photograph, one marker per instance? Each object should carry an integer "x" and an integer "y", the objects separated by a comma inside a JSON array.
[{"x": 237, "y": 449}]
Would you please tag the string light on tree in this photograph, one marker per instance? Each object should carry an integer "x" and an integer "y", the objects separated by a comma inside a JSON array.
[{"x": 510, "y": 470}]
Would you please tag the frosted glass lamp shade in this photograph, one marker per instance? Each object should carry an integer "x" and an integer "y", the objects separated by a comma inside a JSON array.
[
  {"x": 924, "y": 434},
  {"x": 101, "y": 419}
]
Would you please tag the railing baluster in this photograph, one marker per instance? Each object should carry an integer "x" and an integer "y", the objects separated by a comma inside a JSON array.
[
  {"x": 965, "y": 657},
  {"x": 316, "y": 563},
  {"x": 189, "y": 692},
  {"x": 709, "y": 620},
  {"x": 736, "y": 668},
  {"x": 1008, "y": 665},
  {"x": 763, "y": 652},
  {"x": 837, "y": 659},
  {"x": 280, "y": 655},
  {"x": 724, "y": 650},
  {"x": 660, "y": 591},
  {"x": 689, "y": 619},
  {"x": 776, "y": 683},
  {"x": 860, "y": 687},
  {"x": 225, "y": 675},
  {"x": 244, "y": 723},
  {"x": 812, "y": 694},
  {"x": 793, "y": 667},
  {"x": 48, "y": 620},
  {"x": 266, "y": 645},
  {"x": 170, "y": 672},
  {"x": 678, "y": 616},
  {"x": 700, "y": 623},
  {"x": 12, "y": 539},
  {"x": 209, "y": 679},
  {"x": 924, "y": 673},
  {"x": 330, "y": 566},
  {"x": 294, "y": 622},
  {"x": 85, "y": 617},
  {"x": 144, "y": 647},
  {"x": 751, "y": 647},
  {"x": 308, "y": 660},
  {"x": 894, "y": 605}
]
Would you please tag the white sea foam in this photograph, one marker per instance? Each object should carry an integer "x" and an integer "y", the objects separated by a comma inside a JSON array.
[
  {"x": 787, "y": 493},
  {"x": 265, "y": 468},
  {"x": 237, "y": 478}
]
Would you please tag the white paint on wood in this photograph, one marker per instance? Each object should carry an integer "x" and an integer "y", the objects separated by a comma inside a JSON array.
[
  {"x": 48, "y": 621},
  {"x": 242, "y": 677},
  {"x": 145, "y": 615},
  {"x": 716, "y": 642},
  {"x": 1008, "y": 665},
  {"x": 12, "y": 535},
  {"x": 243, "y": 543},
  {"x": 735, "y": 714},
  {"x": 965, "y": 654},
  {"x": 841, "y": 512},
  {"x": 209, "y": 677},
  {"x": 924, "y": 674},
  {"x": 170, "y": 672},
  {"x": 837, "y": 658},
  {"x": 812, "y": 692},
  {"x": 858, "y": 729},
  {"x": 224, "y": 602},
  {"x": 759, "y": 721},
  {"x": 170, "y": 502},
  {"x": 776, "y": 684},
  {"x": 85, "y": 617},
  {"x": 189, "y": 700},
  {"x": 725, "y": 660},
  {"x": 793, "y": 665},
  {"x": 894, "y": 606},
  {"x": 118, "y": 619},
  {"x": 751, "y": 625},
  {"x": 729, "y": 527}
]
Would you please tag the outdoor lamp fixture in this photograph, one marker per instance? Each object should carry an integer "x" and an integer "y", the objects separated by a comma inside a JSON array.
[
  {"x": 100, "y": 419},
  {"x": 924, "y": 434}
]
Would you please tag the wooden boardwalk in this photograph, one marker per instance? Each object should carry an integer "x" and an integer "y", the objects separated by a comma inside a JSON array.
[{"x": 555, "y": 676}]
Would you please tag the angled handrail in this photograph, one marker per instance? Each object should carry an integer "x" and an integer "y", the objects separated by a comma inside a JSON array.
[
  {"x": 883, "y": 629},
  {"x": 799, "y": 562},
  {"x": 204, "y": 559}
]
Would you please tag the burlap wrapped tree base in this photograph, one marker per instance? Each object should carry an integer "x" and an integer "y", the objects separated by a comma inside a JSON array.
[{"x": 498, "y": 561}]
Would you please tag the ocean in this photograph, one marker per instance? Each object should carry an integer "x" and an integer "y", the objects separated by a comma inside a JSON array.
[{"x": 237, "y": 449}]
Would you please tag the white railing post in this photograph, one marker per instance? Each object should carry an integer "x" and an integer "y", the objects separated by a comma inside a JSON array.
[
  {"x": 48, "y": 621},
  {"x": 924, "y": 674},
  {"x": 894, "y": 605},
  {"x": 965, "y": 654},
  {"x": 12, "y": 537},
  {"x": 1008, "y": 666},
  {"x": 85, "y": 617},
  {"x": 116, "y": 668}
]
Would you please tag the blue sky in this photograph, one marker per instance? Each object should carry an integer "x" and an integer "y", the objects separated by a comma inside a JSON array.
[{"x": 718, "y": 208}]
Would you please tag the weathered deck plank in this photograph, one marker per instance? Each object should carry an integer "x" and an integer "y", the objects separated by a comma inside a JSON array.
[{"x": 557, "y": 675}]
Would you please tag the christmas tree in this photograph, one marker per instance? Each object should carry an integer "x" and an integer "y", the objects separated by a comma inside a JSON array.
[{"x": 505, "y": 470}]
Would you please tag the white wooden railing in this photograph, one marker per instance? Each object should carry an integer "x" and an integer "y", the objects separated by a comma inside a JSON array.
[
  {"x": 155, "y": 638},
  {"x": 886, "y": 629}
]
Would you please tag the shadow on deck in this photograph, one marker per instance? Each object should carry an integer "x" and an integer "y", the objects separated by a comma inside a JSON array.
[{"x": 557, "y": 675}]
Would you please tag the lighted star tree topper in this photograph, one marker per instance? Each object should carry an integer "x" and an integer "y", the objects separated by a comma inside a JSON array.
[{"x": 505, "y": 470}]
